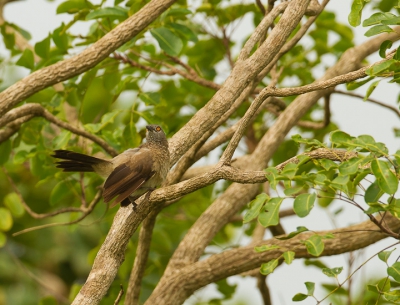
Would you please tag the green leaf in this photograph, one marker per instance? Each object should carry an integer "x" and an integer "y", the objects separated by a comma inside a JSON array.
[
  {"x": 368, "y": 142},
  {"x": 108, "y": 12},
  {"x": 289, "y": 170},
  {"x": 178, "y": 11},
  {"x": 3, "y": 239},
  {"x": 371, "y": 89},
  {"x": 20, "y": 157},
  {"x": 354, "y": 85},
  {"x": 269, "y": 267},
  {"x": 349, "y": 167},
  {"x": 8, "y": 38},
  {"x": 42, "y": 48},
  {"x": 327, "y": 164},
  {"x": 310, "y": 288},
  {"x": 387, "y": 44},
  {"x": 26, "y": 60},
  {"x": 61, "y": 141},
  {"x": 48, "y": 301},
  {"x": 378, "y": 29},
  {"x": 312, "y": 142},
  {"x": 106, "y": 119},
  {"x": 373, "y": 193},
  {"x": 288, "y": 256},
  {"x": 384, "y": 255},
  {"x": 6, "y": 220},
  {"x": 23, "y": 32},
  {"x": 60, "y": 39},
  {"x": 354, "y": 17},
  {"x": 340, "y": 137},
  {"x": 73, "y": 6},
  {"x": 377, "y": 18},
  {"x": 293, "y": 234},
  {"x": 14, "y": 203},
  {"x": 397, "y": 54},
  {"x": 167, "y": 40},
  {"x": 303, "y": 204},
  {"x": 380, "y": 67},
  {"x": 255, "y": 207},
  {"x": 392, "y": 296},
  {"x": 387, "y": 180},
  {"x": 270, "y": 215},
  {"x": 264, "y": 248},
  {"x": 314, "y": 245},
  {"x": 150, "y": 98},
  {"x": 74, "y": 290},
  {"x": 392, "y": 21},
  {"x": 299, "y": 297},
  {"x": 394, "y": 207},
  {"x": 315, "y": 263},
  {"x": 382, "y": 286},
  {"x": 332, "y": 272},
  {"x": 184, "y": 31},
  {"x": 394, "y": 271},
  {"x": 294, "y": 190},
  {"x": 271, "y": 173},
  {"x": 59, "y": 192},
  {"x": 5, "y": 151}
]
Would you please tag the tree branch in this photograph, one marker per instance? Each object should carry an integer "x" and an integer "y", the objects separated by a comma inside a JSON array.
[
  {"x": 394, "y": 109},
  {"x": 31, "y": 110},
  {"x": 82, "y": 62},
  {"x": 236, "y": 261},
  {"x": 237, "y": 195},
  {"x": 242, "y": 74},
  {"x": 142, "y": 253}
]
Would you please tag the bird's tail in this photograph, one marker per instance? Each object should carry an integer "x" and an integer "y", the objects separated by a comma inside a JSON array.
[{"x": 75, "y": 162}]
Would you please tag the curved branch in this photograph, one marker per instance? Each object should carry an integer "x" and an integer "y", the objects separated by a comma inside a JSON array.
[
  {"x": 84, "y": 210},
  {"x": 191, "y": 75},
  {"x": 13, "y": 127},
  {"x": 31, "y": 110},
  {"x": 82, "y": 62}
]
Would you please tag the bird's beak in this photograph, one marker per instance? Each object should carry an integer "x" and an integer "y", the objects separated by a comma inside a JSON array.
[{"x": 149, "y": 128}]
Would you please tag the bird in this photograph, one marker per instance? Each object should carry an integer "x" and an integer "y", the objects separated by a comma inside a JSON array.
[{"x": 130, "y": 174}]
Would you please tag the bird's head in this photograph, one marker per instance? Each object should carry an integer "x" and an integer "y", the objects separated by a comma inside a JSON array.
[{"x": 155, "y": 134}]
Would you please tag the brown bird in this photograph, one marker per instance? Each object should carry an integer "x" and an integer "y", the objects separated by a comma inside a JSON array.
[{"x": 129, "y": 175}]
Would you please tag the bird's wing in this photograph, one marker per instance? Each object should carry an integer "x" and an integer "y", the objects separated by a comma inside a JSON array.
[{"x": 134, "y": 170}]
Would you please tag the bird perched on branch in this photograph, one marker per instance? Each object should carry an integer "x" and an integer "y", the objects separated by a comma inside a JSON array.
[{"x": 129, "y": 175}]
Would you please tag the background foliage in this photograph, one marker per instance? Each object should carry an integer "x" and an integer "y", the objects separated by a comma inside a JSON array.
[{"x": 164, "y": 76}]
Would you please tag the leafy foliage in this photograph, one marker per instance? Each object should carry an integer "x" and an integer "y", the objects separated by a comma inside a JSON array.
[{"x": 138, "y": 84}]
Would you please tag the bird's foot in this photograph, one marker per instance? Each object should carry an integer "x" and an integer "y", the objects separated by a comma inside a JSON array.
[{"x": 147, "y": 197}]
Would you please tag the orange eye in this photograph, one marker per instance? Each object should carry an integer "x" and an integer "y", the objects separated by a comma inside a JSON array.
[{"x": 158, "y": 129}]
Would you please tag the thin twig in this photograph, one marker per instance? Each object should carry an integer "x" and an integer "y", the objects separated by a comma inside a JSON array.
[
  {"x": 119, "y": 296},
  {"x": 89, "y": 209},
  {"x": 244, "y": 122},
  {"x": 28, "y": 111},
  {"x": 392, "y": 108}
]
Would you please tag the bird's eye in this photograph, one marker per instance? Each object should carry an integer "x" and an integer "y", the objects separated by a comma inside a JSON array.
[{"x": 158, "y": 128}]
